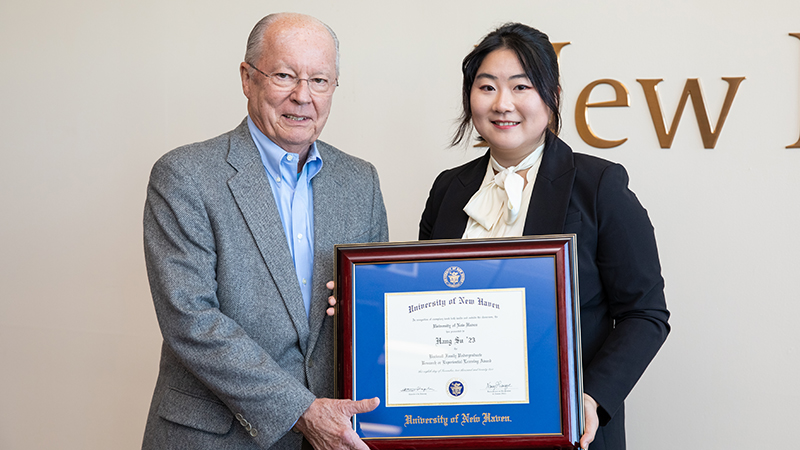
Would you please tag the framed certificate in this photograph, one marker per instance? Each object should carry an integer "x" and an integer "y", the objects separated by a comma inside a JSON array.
[{"x": 469, "y": 344}]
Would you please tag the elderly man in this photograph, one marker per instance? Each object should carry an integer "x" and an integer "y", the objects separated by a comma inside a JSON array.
[{"x": 239, "y": 233}]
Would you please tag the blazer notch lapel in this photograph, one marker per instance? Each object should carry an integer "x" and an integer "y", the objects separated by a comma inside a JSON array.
[
  {"x": 253, "y": 195},
  {"x": 452, "y": 219},
  {"x": 552, "y": 190},
  {"x": 324, "y": 184}
]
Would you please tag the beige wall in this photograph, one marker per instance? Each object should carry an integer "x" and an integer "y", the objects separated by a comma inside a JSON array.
[{"x": 93, "y": 92}]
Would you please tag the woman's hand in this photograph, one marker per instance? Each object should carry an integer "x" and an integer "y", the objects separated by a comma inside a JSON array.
[{"x": 592, "y": 421}]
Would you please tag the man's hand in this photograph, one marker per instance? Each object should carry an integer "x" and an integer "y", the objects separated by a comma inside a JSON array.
[
  {"x": 331, "y": 300},
  {"x": 326, "y": 423},
  {"x": 592, "y": 421}
]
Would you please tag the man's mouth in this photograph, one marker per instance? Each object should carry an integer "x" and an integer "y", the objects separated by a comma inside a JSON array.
[{"x": 295, "y": 118}]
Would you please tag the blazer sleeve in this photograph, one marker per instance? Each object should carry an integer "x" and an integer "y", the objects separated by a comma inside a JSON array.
[
  {"x": 380, "y": 225},
  {"x": 181, "y": 257},
  {"x": 630, "y": 272},
  {"x": 431, "y": 211}
]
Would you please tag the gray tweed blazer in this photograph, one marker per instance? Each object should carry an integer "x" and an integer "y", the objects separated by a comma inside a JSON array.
[{"x": 240, "y": 360}]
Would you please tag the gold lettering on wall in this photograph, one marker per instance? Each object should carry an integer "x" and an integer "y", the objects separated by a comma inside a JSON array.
[
  {"x": 557, "y": 46},
  {"x": 666, "y": 135},
  {"x": 691, "y": 89},
  {"x": 796, "y": 144},
  {"x": 582, "y": 111}
]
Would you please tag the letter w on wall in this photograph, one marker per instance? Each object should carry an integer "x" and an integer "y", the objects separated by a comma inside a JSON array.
[{"x": 692, "y": 89}]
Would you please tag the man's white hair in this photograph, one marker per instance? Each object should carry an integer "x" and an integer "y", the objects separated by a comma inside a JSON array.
[{"x": 255, "y": 42}]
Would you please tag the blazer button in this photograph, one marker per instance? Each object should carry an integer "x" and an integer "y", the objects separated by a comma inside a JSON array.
[
  {"x": 248, "y": 427},
  {"x": 239, "y": 417},
  {"x": 254, "y": 432},
  {"x": 310, "y": 363}
]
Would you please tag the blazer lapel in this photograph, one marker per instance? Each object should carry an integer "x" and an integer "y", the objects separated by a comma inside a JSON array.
[
  {"x": 552, "y": 189},
  {"x": 253, "y": 195},
  {"x": 325, "y": 183},
  {"x": 453, "y": 219}
]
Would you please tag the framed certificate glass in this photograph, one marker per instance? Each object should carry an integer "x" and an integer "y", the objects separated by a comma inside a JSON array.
[{"x": 468, "y": 343}]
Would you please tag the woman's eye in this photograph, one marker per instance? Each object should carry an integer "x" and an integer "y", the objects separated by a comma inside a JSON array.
[
  {"x": 522, "y": 87},
  {"x": 486, "y": 88}
]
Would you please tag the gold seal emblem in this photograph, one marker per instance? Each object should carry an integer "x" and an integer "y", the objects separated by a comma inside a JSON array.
[
  {"x": 453, "y": 277},
  {"x": 455, "y": 388}
]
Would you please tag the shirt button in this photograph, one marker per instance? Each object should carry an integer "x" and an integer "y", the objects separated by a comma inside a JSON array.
[
  {"x": 289, "y": 157},
  {"x": 304, "y": 281},
  {"x": 299, "y": 235},
  {"x": 277, "y": 179}
]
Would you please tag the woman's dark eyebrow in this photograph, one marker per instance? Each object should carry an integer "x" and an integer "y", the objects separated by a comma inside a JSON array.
[{"x": 492, "y": 77}]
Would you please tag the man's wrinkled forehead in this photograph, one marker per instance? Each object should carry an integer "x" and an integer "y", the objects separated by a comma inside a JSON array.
[{"x": 290, "y": 28}]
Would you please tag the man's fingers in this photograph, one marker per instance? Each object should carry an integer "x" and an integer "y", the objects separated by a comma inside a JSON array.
[
  {"x": 326, "y": 423},
  {"x": 364, "y": 406}
]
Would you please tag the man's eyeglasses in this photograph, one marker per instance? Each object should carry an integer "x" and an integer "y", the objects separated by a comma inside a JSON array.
[{"x": 286, "y": 82}]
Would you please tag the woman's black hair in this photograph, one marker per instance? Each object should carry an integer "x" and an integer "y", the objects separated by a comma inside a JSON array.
[{"x": 538, "y": 59}]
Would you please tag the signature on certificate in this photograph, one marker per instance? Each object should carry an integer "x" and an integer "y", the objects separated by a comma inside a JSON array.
[
  {"x": 498, "y": 387},
  {"x": 417, "y": 390}
]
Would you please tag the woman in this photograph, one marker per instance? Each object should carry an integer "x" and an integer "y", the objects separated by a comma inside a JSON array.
[{"x": 531, "y": 183}]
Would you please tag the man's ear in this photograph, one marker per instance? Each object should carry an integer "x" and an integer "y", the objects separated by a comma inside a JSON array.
[{"x": 244, "y": 72}]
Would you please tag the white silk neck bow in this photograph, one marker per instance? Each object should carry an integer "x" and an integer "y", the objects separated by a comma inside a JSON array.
[{"x": 502, "y": 196}]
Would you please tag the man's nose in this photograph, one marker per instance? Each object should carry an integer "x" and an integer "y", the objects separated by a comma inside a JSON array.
[{"x": 302, "y": 91}]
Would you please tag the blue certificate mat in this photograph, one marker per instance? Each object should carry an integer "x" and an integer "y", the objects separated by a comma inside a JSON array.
[{"x": 469, "y": 343}]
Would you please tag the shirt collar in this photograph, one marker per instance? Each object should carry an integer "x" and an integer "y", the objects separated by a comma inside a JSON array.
[{"x": 272, "y": 154}]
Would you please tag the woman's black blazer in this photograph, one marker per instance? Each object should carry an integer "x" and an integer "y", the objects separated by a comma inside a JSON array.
[{"x": 624, "y": 317}]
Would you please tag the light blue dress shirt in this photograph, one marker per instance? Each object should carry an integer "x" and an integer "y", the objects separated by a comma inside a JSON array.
[{"x": 294, "y": 197}]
